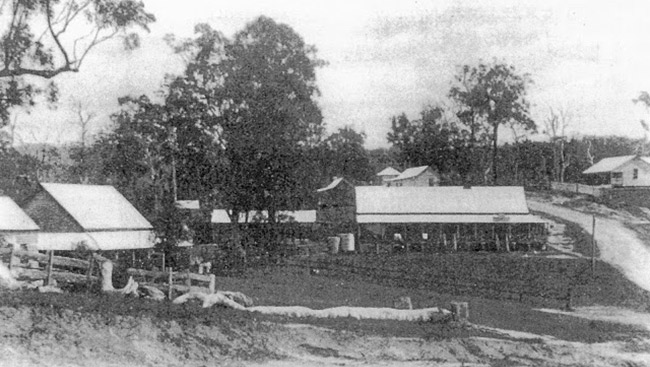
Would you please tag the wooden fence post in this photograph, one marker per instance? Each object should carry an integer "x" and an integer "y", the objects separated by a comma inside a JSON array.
[
  {"x": 50, "y": 265},
  {"x": 188, "y": 280},
  {"x": 89, "y": 274},
  {"x": 170, "y": 281},
  {"x": 11, "y": 255},
  {"x": 213, "y": 283},
  {"x": 455, "y": 243}
]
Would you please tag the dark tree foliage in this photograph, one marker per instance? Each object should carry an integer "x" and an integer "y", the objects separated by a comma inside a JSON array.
[
  {"x": 345, "y": 156},
  {"x": 492, "y": 95},
  {"x": 44, "y": 38}
]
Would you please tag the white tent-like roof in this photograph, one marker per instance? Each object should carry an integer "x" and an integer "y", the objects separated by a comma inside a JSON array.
[
  {"x": 102, "y": 219},
  {"x": 97, "y": 207},
  {"x": 442, "y": 204},
  {"x": 610, "y": 164},
  {"x": 13, "y": 218}
]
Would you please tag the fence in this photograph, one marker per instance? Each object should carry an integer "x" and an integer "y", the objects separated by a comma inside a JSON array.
[
  {"x": 577, "y": 188},
  {"x": 71, "y": 270},
  {"x": 48, "y": 266},
  {"x": 494, "y": 288},
  {"x": 169, "y": 279}
]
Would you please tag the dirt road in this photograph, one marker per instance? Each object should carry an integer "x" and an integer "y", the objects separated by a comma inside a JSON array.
[{"x": 618, "y": 245}]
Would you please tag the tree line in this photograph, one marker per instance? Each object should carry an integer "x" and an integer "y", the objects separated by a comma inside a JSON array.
[{"x": 241, "y": 128}]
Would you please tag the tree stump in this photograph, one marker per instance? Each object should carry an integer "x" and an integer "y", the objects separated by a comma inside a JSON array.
[{"x": 460, "y": 311}]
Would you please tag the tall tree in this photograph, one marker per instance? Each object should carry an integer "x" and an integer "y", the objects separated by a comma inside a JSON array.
[
  {"x": 44, "y": 38},
  {"x": 432, "y": 140},
  {"x": 346, "y": 156},
  {"x": 495, "y": 95}
]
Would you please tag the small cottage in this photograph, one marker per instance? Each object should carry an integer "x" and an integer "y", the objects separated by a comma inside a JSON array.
[
  {"x": 94, "y": 217},
  {"x": 16, "y": 227},
  {"x": 624, "y": 171},
  {"x": 416, "y": 176}
]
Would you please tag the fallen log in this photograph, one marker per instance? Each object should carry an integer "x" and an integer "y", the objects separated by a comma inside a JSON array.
[
  {"x": 209, "y": 300},
  {"x": 358, "y": 313}
]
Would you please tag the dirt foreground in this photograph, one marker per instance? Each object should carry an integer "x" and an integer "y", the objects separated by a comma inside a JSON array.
[{"x": 49, "y": 337}]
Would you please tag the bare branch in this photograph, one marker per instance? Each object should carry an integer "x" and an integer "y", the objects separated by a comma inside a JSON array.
[{"x": 54, "y": 35}]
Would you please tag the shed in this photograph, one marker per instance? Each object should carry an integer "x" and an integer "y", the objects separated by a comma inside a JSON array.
[
  {"x": 387, "y": 174},
  {"x": 415, "y": 176},
  {"x": 623, "y": 171},
  {"x": 95, "y": 216},
  {"x": 336, "y": 203},
  {"x": 476, "y": 217},
  {"x": 16, "y": 227}
]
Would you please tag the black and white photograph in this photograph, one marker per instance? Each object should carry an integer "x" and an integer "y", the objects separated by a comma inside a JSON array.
[{"x": 324, "y": 183}]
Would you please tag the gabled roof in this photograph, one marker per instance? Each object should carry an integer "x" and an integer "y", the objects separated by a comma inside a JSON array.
[
  {"x": 388, "y": 171},
  {"x": 441, "y": 200},
  {"x": 254, "y": 216},
  {"x": 13, "y": 218},
  {"x": 97, "y": 207},
  {"x": 410, "y": 173},
  {"x": 612, "y": 163}
]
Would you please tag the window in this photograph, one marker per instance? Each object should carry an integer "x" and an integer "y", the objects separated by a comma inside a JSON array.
[
  {"x": 617, "y": 174},
  {"x": 635, "y": 173},
  {"x": 432, "y": 181}
]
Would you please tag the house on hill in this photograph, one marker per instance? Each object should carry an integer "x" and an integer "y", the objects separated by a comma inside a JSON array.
[
  {"x": 623, "y": 171},
  {"x": 16, "y": 227},
  {"x": 416, "y": 176},
  {"x": 92, "y": 216},
  {"x": 387, "y": 173}
]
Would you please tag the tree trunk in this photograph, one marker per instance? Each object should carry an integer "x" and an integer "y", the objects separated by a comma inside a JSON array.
[
  {"x": 236, "y": 249},
  {"x": 494, "y": 153}
]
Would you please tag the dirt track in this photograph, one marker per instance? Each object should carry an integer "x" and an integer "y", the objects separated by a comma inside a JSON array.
[{"x": 618, "y": 245}]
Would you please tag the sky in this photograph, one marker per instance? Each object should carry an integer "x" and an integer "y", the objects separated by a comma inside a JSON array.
[{"x": 590, "y": 58}]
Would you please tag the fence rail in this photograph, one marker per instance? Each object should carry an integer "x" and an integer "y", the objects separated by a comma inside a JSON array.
[
  {"x": 577, "y": 188},
  {"x": 510, "y": 289}
]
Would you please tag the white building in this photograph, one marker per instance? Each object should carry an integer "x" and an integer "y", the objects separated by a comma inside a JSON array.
[
  {"x": 624, "y": 171},
  {"x": 416, "y": 176}
]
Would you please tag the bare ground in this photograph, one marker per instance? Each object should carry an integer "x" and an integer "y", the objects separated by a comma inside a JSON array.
[{"x": 70, "y": 338}]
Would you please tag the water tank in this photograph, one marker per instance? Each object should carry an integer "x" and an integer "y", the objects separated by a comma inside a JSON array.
[
  {"x": 347, "y": 242},
  {"x": 333, "y": 244}
]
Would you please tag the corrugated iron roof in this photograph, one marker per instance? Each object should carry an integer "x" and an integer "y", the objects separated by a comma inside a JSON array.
[
  {"x": 254, "y": 216},
  {"x": 609, "y": 164},
  {"x": 389, "y": 171},
  {"x": 441, "y": 200},
  {"x": 448, "y": 218},
  {"x": 332, "y": 184},
  {"x": 410, "y": 173},
  {"x": 13, "y": 218},
  {"x": 97, "y": 207}
]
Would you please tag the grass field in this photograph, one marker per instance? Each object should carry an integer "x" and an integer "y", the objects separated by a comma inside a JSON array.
[{"x": 283, "y": 286}]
